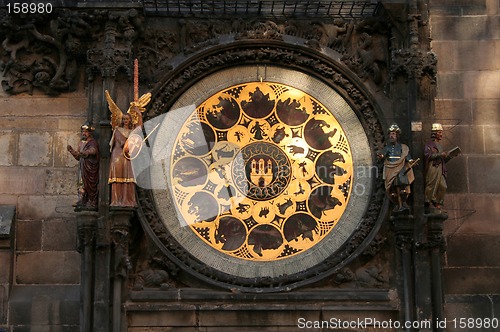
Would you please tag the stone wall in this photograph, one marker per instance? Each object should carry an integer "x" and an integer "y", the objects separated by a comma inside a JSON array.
[
  {"x": 38, "y": 177},
  {"x": 466, "y": 39}
]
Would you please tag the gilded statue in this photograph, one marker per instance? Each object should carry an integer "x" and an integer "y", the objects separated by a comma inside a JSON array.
[{"x": 121, "y": 175}]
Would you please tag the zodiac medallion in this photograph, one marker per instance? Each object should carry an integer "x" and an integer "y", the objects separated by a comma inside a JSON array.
[{"x": 261, "y": 171}]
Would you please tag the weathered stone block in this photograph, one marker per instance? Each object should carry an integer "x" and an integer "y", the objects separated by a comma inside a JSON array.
[
  {"x": 472, "y": 214},
  {"x": 7, "y": 148},
  {"x": 28, "y": 235},
  {"x": 483, "y": 174},
  {"x": 39, "y": 107},
  {"x": 492, "y": 139},
  {"x": 459, "y": 7},
  {"x": 22, "y": 180},
  {"x": 62, "y": 158},
  {"x": 29, "y": 123},
  {"x": 61, "y": 181},
  {"x": 485, "y": 253},
  {"x": 481, "y": 84},
  {"x": 35, "y": 149},
  {"x": 71, "y": 124},
  {"x": 463, "y": 28},
  {"x": 48, "y": 267},
  {"x": 451, "y": 85},
  {"x": 45, "y": 207},
  {"x": 453, "y": 109},
  {"x": 44, "y": 306},
  {"x": 171, "y": 317},
  {"x": 465, "y": 55},
  {"x": 59, "y": 234},
  {"x": 485, "y": 111},
  {"x": 473, "y": 306},
  {"x": 468, "y": 138},
  {"x": 464, "y": 280}
]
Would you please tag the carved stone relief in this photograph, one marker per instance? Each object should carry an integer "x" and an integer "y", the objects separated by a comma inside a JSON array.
[
  {"x": 45, "y": 56},
  {"x": 44, "y": 52}
]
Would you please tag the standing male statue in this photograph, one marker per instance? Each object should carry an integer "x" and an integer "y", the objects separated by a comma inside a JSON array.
[
  {"x": 435, "y": 168},
  {"x": 87, "y": 154},
  {"x": 398, "y": 172}
]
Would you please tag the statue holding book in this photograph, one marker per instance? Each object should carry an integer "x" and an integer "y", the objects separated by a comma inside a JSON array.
[{"x": 435, "y": 169}]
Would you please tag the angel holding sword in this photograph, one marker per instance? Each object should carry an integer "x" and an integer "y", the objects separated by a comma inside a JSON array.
[{"x": 121, "y": 175}]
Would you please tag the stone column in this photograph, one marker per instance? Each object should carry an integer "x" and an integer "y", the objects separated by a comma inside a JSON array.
[
  {"x": 112, "y": 54},
  {"x": 404, "y": 230},
  {"x": 86, "y": 226},
  {"x": 120, "y": 226},
  {"x": 436, "y": 246}
]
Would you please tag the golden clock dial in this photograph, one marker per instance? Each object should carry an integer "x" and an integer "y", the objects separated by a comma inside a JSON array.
[{"x": 262, "y": 171}]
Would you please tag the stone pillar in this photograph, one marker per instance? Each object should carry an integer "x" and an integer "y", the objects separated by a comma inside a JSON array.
[
  {"x": 436, "y": 246},
  {"x": 110, "y": 56},
  {"x": 404, "y": 231},
  {"x": 120, "y": 226},
  {"x": 86, "y": 225}
]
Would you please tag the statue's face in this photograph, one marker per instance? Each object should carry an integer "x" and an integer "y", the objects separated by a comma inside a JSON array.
[
  {"x": 393, "y": 137},
  {"x": 439, "y": 135},
  {"x": 85, "y": 134},
  {"x": 127, "y": 120}
]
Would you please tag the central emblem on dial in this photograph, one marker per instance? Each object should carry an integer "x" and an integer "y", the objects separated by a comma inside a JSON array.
[{"x": 261, "y": 171}]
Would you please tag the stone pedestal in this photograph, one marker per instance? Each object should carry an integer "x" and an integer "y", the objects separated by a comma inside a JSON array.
[
  {"x": 404, "y": 231},
  {"x": 436, "y": 246},
  {"x": 87, "y": 225},
  {"x": 120, "y": 225}
]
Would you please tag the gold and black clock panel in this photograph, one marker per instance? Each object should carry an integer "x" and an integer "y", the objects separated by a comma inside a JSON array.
[
  {"x": 263, "y": 175},
  {"x": 262, "y": 171}
]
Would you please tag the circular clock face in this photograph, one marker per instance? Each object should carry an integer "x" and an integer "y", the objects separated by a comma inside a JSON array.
[
  {"x": 261, "y": 171},
  {"x": 260, "y": 181}
]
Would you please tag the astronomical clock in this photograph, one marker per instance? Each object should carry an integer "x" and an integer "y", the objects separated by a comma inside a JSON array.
[{"x": 261, "y": 182}]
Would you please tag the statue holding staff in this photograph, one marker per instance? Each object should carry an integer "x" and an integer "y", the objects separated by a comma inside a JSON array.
[{"x": 398, "y": 172}]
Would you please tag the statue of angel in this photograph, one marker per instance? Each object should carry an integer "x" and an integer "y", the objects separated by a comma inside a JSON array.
[{"x": 121, "y": 176}]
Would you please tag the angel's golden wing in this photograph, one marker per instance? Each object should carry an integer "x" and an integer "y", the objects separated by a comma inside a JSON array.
[
  {"x": 139, "y": 106},
  {"x": 144, "y": 100},
  {"x": 116, "y": 112}
]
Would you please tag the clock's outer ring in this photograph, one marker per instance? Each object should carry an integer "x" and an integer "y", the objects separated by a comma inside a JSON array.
[{"x": 321, "y": 260}]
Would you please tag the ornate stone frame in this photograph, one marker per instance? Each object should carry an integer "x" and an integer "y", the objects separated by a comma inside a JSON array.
[{"x": 308, "y": 62}]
